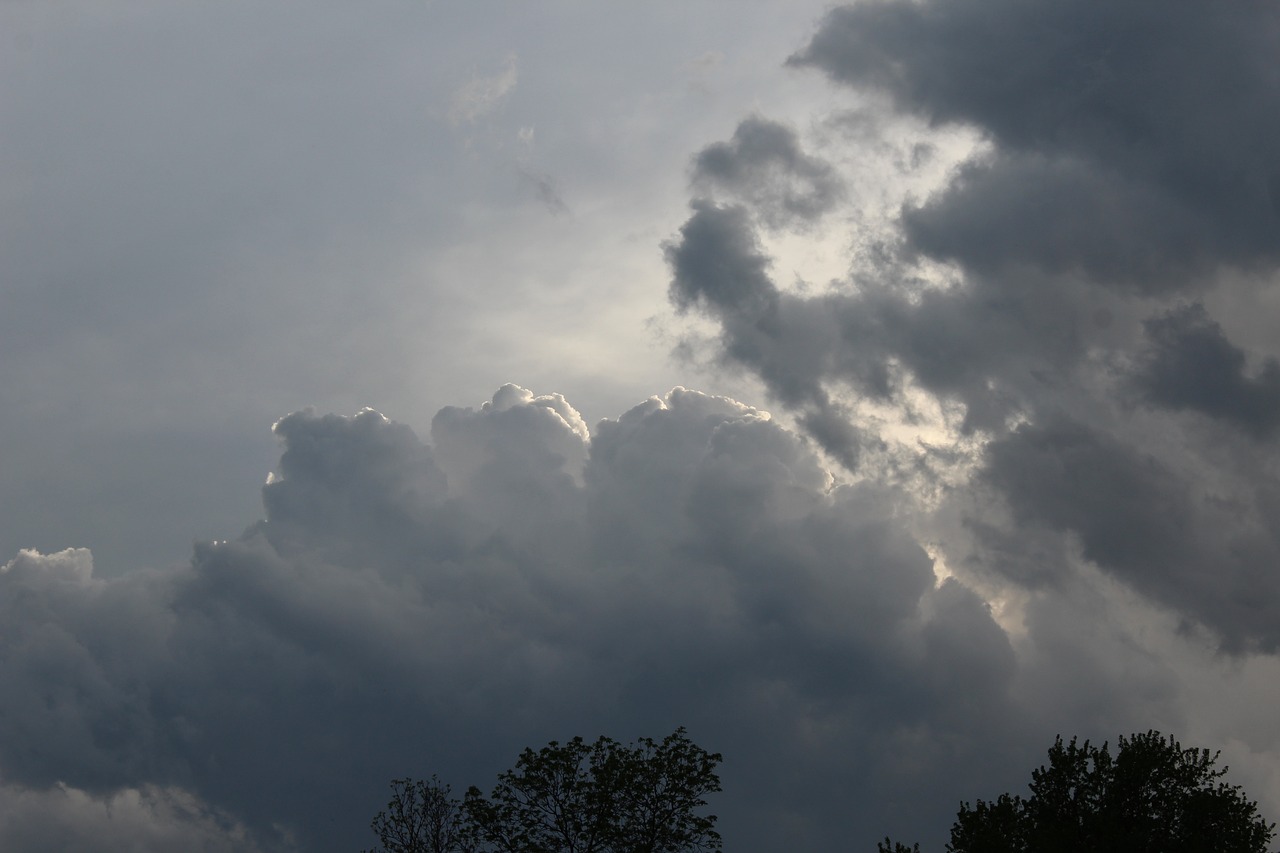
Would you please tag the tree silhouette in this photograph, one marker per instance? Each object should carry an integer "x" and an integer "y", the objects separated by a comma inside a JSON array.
[
  {"x": 1153, "y": 796},
  {"x": 576, "y": 797},
  {"x": 888, "y": 846},
  {"x": 421, "y": 817}
]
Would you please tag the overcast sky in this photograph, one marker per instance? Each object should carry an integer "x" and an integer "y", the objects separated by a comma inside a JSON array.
[{"x": 878, "y": 391}]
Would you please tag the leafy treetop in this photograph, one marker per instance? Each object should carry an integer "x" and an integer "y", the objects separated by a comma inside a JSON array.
[
  {"x": 1152, "y": 796},
  {"x": 576, "y": 797}
]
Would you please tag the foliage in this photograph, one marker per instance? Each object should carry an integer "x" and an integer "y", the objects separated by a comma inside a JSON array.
[
  {"x": 577, "y": 797},
  {"x": 1153, "y": 796},
  {"x": 421, "y": 817},
  {"x": 888, "y": 846}
]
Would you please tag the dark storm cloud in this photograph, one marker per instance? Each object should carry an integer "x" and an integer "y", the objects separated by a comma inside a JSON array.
[
  {"x": 719, "y": 267},
  {"x": 764, "y": 164},
  {"x": 1126, "y": 508},
  {"x": 1117, "y": 118},
  {"x": 407, "y": 608},
  {"x": 986, "y": 344},
  {"x": 1127, "y": 157},
  {"x": 1206, "y": 556},
  {"x": 1192, "y": 365},
  {"x": 1061, "y": 216}
]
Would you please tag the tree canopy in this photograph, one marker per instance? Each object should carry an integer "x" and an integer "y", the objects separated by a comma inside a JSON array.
[
  {"x": 421, "y": 817},
  {"x": 1152, "y": 796},
  {"x": 576, "y": 797}
]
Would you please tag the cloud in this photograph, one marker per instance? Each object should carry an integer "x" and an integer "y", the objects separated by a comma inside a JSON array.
[
  {"x": 1192, "y": 365},
  {"x": 765, "y": 165},
  {"x": 719, "y": 266},
  {"x": 977, "y": 344},
  {"x": 413, "y": 608},
  {"x": 146, "y": 820},
  {"x": 1116, "y": 118},
  {"x": 1051, "y": 301},
  {"x": 544, "y": 189},
  {"x": 481, "y": 94},
  {"x": 410, "y": 607},
  {"x": 1209, "y": 559}
]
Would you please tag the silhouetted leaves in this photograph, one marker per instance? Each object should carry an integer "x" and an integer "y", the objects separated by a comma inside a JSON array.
[
  {"x": 1152, "y": 796},
  {"x": 421, "y": 817},
  {"x": 576, "y": 797},
  {"x": 888, "y": 846}
]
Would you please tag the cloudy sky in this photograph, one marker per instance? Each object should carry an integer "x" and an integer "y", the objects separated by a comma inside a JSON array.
[{"x": 877, "y": 391}]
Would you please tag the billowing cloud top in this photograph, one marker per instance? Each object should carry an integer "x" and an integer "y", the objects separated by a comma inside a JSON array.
[
  {"x": 413, "y": 608},
  {"x": 408, "y": 608}
]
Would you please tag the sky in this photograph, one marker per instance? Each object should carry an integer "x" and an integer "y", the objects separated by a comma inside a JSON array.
[{"x": 878, "y": 391}]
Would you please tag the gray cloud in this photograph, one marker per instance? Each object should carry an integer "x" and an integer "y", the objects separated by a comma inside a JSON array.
[
  {"x": 1127, "y": 509},
  {"x": 146, "y": 820},
  {"x": 1125, "y": 158},
  {"x": 1117, "y": 118},
  {"x": 1209, "y": 559},
  {"x": 986, "y": 344},
  {"x": 1192, "y": 365},
  {"x": 764, "y": 164},
  {"x": 1180, "y": 509},
  {"x": 407, "y": 608},
  {"x": 1061, "y": 216},
  {"x": 545, "y": 190},
  {"x": 719, "y": 266}
]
